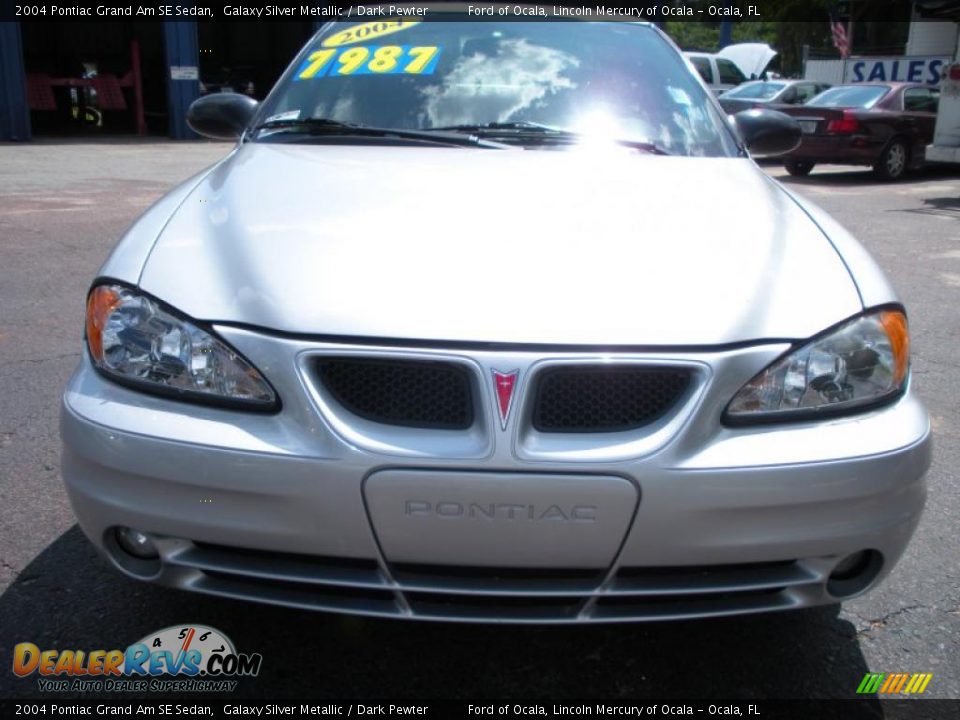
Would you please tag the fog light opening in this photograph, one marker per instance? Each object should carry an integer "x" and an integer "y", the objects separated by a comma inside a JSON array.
[
  {"x": 854, "y": 573},
  {"x": 133, "y": 551},
  {"x": 136, "y": 543}
]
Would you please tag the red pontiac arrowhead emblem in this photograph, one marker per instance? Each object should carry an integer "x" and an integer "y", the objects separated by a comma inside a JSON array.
[{"x": 504, "y": 384}]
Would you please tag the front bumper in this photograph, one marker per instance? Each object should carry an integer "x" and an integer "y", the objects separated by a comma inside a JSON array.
[
  {"x": 278, "y": 508},
  {"x": 943, "y": 153}
]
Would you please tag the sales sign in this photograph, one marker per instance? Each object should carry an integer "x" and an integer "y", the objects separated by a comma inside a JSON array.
[{"x": 902, "y": 68}]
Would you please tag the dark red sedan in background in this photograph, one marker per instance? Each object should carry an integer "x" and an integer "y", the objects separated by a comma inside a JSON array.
[{"x": 883, "y": 125}]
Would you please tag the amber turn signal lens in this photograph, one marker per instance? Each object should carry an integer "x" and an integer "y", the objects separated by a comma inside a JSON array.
[
  {"x": 895, "y": 325},
  {"x": 103, "y": 300}
]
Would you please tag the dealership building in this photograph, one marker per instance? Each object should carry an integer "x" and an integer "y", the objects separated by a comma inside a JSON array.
[{"x": 118, "y": 76}]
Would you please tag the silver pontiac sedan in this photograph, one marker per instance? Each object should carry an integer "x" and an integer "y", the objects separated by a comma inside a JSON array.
[{"x": 495, "y": 321}]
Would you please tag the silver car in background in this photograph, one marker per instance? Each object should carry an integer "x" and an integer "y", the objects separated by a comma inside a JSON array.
[
  {"x": 495, "y": 321},
  {"x": 770, "y": 93}
]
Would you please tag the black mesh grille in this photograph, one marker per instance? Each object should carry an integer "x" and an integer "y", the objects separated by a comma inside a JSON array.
[
  {"x": 605, "y": 399},
  {"x": 409, "y": 393}
]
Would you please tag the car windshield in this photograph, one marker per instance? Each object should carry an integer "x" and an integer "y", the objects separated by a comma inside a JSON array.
[
  {"x": 756, "y": 91},
  {"x": 612, "y": 80},
  {"x": 851, "y": 96}
]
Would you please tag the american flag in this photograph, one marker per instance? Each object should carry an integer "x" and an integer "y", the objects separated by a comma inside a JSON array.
[{"x": 840, "y": 41}]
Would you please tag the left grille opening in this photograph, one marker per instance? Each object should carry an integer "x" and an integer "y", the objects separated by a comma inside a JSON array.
[
  {"x": 407, "y": 393},
  {"x": 295, "y": 594}
]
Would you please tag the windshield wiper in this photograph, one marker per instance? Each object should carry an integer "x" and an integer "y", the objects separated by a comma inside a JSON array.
[
  {"x": 526, "y": 132},
  {"x": 509, "y": 126},
  {"x": 326, "y": 126}
]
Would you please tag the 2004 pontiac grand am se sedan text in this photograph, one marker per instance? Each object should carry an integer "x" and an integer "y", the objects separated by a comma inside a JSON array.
[{"x": 499, "y": 322}]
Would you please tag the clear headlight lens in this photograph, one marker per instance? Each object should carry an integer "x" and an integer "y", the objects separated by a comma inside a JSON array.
[
  {"x": 133, "y": 339},
  {"x": 861, "y": 363}
]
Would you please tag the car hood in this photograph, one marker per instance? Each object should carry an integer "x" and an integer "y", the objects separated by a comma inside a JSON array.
[
  {"x": 587, "y": 247},
  {"x": 751, "y": 58}
]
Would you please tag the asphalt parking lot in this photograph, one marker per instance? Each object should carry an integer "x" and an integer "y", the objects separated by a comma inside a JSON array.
[{"x": 63, "y": 205}]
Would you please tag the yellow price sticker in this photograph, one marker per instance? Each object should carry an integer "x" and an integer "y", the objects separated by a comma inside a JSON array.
[
  {"x": 370, "y": 60},
  {"x": 367, "y": 31}
]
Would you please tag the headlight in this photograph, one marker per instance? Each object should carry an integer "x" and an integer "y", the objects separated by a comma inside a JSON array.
[
  {"x": 861, "y": 363},
  {"x": 134, "y": 340}
]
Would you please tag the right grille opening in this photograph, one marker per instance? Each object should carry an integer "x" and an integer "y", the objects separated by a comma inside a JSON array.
[
  {"x": 408, "y": 393},
  {"x": 689, "y": 605},
  {"x": 693, "y": 578},
  {"x": 496, "y": 579},
  {"x": 599, "y": 398}
]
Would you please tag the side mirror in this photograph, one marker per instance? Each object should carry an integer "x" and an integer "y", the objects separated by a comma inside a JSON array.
[
  {"x": 221, "y": 116},
  {"x": 767, "y": 132}
]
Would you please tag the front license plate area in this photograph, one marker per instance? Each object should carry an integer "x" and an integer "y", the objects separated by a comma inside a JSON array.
[{"x": 500, "y": 519}]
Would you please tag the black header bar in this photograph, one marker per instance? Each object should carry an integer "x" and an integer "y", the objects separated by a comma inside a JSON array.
[
  {"x": 585, "y": 708},
  {"x": 322, "y": 11}
]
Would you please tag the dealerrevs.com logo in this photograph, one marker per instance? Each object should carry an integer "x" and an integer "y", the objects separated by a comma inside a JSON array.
[{"x": 180, "y": 658}]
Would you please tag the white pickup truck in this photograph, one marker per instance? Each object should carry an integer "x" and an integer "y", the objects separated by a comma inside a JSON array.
[
  {"x": 731, "y": 66},
  {"x": 718, "y": 73}
]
